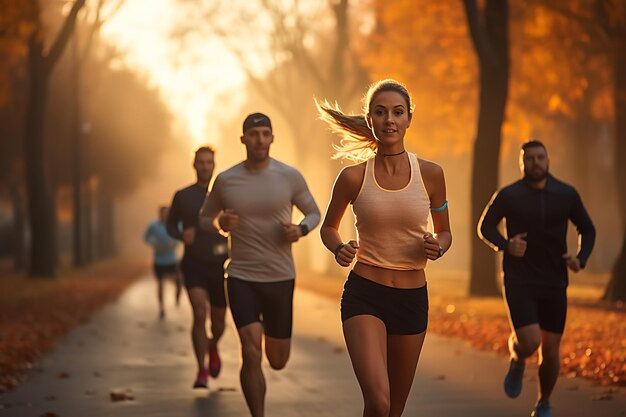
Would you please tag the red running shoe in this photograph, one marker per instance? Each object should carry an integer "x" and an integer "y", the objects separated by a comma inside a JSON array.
[
  {"x": 215, "y": 363},
  {"x": 202, "y": 380}
]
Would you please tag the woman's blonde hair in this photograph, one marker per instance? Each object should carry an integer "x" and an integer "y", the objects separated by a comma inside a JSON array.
[{"x": 357, "y": 139}]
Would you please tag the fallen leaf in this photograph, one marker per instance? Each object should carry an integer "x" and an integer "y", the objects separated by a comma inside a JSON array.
[{"x": 121, "y": 396}]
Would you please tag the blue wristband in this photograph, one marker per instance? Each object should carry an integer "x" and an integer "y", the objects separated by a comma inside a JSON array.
[{"x": 442, "y": 208}]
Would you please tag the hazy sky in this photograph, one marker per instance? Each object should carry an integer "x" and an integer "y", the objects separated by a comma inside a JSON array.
[{"x": 189, "y": 79}]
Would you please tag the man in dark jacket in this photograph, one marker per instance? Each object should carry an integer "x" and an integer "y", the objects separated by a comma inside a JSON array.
[
  {"x": 202, "y": 265},
  {"x": 537, "y": 209}
]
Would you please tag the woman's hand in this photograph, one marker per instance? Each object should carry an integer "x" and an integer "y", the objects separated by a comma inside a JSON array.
[
  {"x": 431, "y": 247},
  {"x": 345, "y": 255}
]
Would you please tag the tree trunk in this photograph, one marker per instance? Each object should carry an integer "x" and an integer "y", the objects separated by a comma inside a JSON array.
[
  {"x": 20, "y": 260},
  {"x": 41, "y": 200},
  {"x": 41, "y": 196},
  {"x": 491, "y": 43},
  {"x": 106, "y": 226},
  {"x": 616, "y": 289},
  {"x": 77, "y": 211},
  {"x": 88, "y": 224}
]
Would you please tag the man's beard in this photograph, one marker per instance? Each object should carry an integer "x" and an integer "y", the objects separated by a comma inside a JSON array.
[
  {"x": 535, "y": 175},
  {"x": 205, "y": 176}
]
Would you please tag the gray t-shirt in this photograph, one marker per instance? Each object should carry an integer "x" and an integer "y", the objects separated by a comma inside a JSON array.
[{"x": 263, "y": 200}]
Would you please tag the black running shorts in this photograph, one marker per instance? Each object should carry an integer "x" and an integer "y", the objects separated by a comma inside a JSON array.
[
  {"x": 270, "y": 303},
  {"x": 530, "y": 304},
  {"x": 161, "y": 271},
  {"x": 404, "y": 311},
  {"x": 209, "y": 276}
]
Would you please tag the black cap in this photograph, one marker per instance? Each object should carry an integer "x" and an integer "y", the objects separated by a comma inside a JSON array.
[{"x": 256, "y": 120}]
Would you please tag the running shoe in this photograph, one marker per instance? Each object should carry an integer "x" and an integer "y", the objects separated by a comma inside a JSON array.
[
  {"x": 513, "y": 379},
  {"x": 215, "y": 363},
  {"x": 202, "y": 380},
  {"x": 542, "y": 409}
]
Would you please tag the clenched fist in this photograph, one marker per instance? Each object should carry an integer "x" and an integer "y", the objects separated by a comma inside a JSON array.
[
  {"x": 431, "y": 247},
  {"x": 292, "y": 232},
  {"x": 228, "y": 220},
  {"x": 517, "y": 244},
  {"x": 346, "y": 254},
  {"x": 189, "y": 236}
]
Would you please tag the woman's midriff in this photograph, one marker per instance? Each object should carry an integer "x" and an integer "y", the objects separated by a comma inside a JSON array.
[{"x": 414, "y": 278}]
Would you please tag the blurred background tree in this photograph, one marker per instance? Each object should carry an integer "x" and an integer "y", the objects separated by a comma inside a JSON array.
[{"x": 120, "y": 123}]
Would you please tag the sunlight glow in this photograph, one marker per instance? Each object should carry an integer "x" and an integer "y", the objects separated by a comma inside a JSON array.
[{"x": 189, "y": 80}]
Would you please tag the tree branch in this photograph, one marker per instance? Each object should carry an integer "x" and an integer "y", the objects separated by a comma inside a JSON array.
[{"x": 66, "y": 31}]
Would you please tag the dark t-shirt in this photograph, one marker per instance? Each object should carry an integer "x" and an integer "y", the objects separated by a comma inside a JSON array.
[
  {"x": 208, "y": 246},
  {"x": 544, "y": 215}
]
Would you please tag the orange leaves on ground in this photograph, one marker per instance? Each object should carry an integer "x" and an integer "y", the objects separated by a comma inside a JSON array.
[
  {"x": 593, "y": 345},
  {"x": 35, "y": 314}
]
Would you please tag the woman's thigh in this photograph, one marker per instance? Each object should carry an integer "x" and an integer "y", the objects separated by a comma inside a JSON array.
[{"x": 366, "y": 340}]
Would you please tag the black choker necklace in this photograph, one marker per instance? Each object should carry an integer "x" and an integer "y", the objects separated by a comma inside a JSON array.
[{"x": 392, "y": 154}]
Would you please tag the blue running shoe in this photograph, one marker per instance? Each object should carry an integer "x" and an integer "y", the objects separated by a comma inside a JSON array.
[
  {"x": 542, "y": 409},
  {"x": 513, "y": 379}
]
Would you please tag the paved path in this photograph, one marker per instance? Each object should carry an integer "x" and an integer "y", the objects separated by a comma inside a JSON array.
[{"x": 125, "y": 347}]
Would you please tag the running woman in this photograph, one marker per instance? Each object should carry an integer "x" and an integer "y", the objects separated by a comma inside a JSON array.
[{"x": 384, "y": 306}]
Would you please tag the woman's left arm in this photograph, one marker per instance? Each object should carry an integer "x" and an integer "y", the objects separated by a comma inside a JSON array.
[{"x": 435, "y": 183}]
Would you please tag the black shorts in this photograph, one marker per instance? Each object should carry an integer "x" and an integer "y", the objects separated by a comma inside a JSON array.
[
  {"x": 270, "y": 303},
  {"x": 402, "y": 310},
  {"x": 161, "y": 271},
  {"x": 531, "y": 304},
  {"x": 209, "y": 276}
]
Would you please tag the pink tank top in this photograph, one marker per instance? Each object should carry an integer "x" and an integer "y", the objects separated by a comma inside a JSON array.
[{"x": 391, "y": 223}]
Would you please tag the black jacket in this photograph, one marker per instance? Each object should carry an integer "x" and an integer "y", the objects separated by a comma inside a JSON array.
[
  {"x": 544, "y": 215},
  {"x": 184, "y": 212}
]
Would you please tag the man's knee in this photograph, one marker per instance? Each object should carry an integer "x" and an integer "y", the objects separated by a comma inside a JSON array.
[
  {"x": 528, "y": 343},
  {"x": 199, "y": 317},
  {"x": 278, "y": 360},
  {"x": 277, "y": 351}
]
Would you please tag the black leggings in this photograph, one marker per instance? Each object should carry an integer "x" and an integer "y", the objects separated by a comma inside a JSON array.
[{"x": 404, "y": 311}]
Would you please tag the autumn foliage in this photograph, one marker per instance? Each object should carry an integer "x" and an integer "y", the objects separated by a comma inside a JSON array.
[
  {"x": 35, "y": 315},
  {"x": 593, "y": 345}
]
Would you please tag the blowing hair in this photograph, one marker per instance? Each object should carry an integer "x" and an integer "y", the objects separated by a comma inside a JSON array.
[{"x": 357, "y": 139}]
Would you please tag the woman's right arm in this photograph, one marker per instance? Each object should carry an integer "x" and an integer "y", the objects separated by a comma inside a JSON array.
[{"x": 345, "y": 190}]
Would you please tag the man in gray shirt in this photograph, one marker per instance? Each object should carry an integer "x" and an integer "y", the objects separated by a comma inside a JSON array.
[{"x": 252, "y": 202}]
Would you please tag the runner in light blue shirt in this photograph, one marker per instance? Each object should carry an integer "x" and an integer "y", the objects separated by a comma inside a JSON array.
[{"x": 165, "y": 258}]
